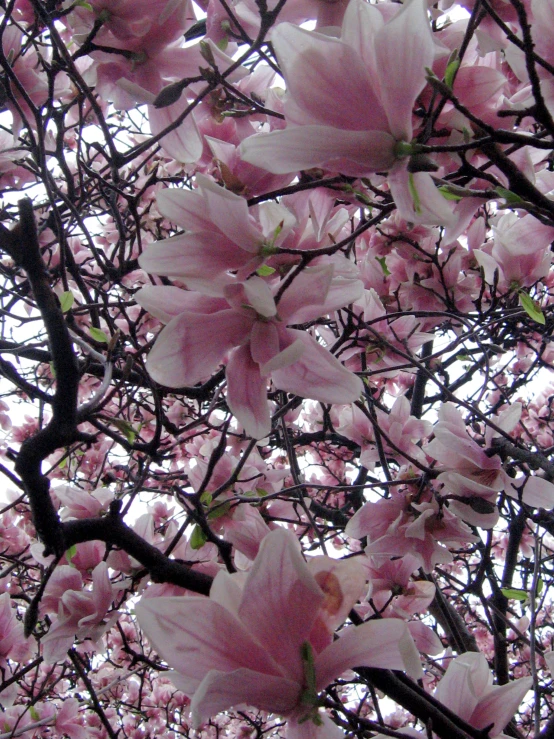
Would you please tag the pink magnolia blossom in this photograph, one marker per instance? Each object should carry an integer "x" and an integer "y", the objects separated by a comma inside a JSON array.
[
  {"x": 270, "y": 643},
  {"x": 469, "y": 472},
  {"x": 350, "y": 100},
  {"x": 81, "y": 613},
  {"x": 13, "y": 644},
  {"x": 398, "y": 526},
  {"x": 247, "y": 324},
  {"x": 394, "y": 593},
  {"x": 398, "y": 426},
  {"x": 520, "y": 252},
  {"x": 467, "y": 689}
]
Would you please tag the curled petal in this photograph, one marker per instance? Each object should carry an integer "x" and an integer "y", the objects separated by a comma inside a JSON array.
[
  {"x": 318, "y": 375},
  {"x": 221, "y": 690},
  {"x": 386, "y": 644},
  {"x": 355, "y": 153},
  {"x": 247, "y": 393},
  {"x": 192, "y": 345}
]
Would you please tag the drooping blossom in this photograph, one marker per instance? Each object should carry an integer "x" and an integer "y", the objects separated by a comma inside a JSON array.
[
  {"x": 267, "y": 640},
  {"x": 470, "y": 472},
  {"x": 468, "y": 691},
  {"x": 403, "y": 525},
  {"x": 246, "y": 324},
  {"x": 350, "y": 101},
  {"x": 13, "y": 644},
  {"x": 80, "y": 613}
]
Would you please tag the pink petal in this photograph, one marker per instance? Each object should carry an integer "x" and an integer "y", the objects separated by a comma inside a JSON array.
[
  {"x": 425, "y": 638},
  {"x": 264, "y": 342},
  {"x": 308, "y": 730},
  {"x": 317, "y": 375},
  {"x": 428, "y": 206},
  {"x": 222, "y": 690},
  {"x": 537, "y": 492},
  {"x": 386, "y": 644},
  {"x": 192, "y": 345},
  {"x": 229, "y": 213},
  {"x": 247, "y": 393},
  {"x": 327, "y": 81},
  {"x": 500, "y": 704},
  {"x": 404, "y": 47},
  {"x": 281, "y": 600},
  {"x": 194, "y": 255},
  {"x": 195, "y": 635},
  {"x": 186, "y": 208},
  {"x": 306, "y": 293},
  {"x": 284, "y": 358},
  {"x": 354, "y": 153},
  {"x": 184, "y": 143},
  {"x": 456, "y": 689}
]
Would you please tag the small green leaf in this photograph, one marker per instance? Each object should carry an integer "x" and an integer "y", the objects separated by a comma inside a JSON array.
[
  {"x": 206, "y": 498},
  {"x": 52, "y": 370},
  {"x": 450, "y": 72},
  {"x": 510, "y": 197},
  {"x": 34, "y": 714},
  {"x": 126, "y": 429},
  {"x": 414, "y": 193},
  {"x": 265, "y": 270},
  {"x": 70, "y": 553},
  {"x": 219, "y": 510},
  {"x": 540, "y": 586},
  {"x": 197, "y": 538},
  {"x": 531, "y": 308},
  {"x": 66, "y": 300},
  {"x": 84, "y": 4},
  {"x": 447, "y": 193},
  {"x": 98, "y": 335},
  {"x": 383, "y": 262},
  {"x": 515, "y": 594}
]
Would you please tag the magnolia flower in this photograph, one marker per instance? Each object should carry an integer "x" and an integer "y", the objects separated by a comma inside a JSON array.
[
  {"x": 467, "y": 690},
  {"x": 247, "y": 324},
  {"x": 350, "y": 100},
  {"x": 269, "y": 644},
  {"x": 81, "y": 613},
  {"x": 469, "y": 472}
]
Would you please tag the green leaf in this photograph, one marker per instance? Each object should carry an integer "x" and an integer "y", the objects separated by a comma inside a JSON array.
[
  {"x": 126, "y": 429},
  {"x": 206, "y": 498},
  {"x": 98, "y": 335},
  {"x": 197, "y": 538},
  {"x": 414, "y": 193},
  {"x": 66, "y": 300},
  {"x": 84, "y": 4},
  {"x": 532, "y": 308},
  {"x": 265, "y": 270},
  {"x": 540, "y": 586},
  {"x": 447, "y": 193},
  {"x": 510, "y": 197},
  {"x": 383, "y": 262},
  {"x": 220, "y": 509},
  {"x": 70, "y": 553},
  {"x": 450, "y": 72},
  {"x": 34, "y": 714},
  {"x": 515, "y": 594}
]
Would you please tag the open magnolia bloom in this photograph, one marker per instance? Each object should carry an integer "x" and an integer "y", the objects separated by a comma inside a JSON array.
[
  {"x": 247, "y": 325},
  {"x": 471, "y": 472},
  {"x": 266, "y": 640},
  {"x": 349, "y": 103},
  {"x": 467, "y": 690}
]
